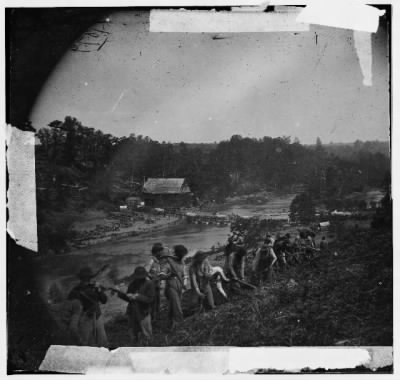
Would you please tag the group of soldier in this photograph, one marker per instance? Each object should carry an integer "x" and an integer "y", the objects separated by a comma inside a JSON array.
[{"x": 170, "y": 273}]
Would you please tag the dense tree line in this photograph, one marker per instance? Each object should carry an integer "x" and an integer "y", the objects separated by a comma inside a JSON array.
[
  {"x": 70, "y": 155},
  {"x": 350, "y": 150},
  {"x": 331, "y": 184}
]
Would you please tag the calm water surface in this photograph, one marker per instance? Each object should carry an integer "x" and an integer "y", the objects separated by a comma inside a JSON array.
[{"x": 125, "y": 254}]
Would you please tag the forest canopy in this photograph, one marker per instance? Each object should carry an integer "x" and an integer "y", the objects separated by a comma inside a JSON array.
[
  {"x": 74, "y": 159},
  {"x": 70, "y": 153}
]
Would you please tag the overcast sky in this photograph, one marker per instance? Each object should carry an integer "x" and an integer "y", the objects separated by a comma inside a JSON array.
[{"x": 190, "y": 87}]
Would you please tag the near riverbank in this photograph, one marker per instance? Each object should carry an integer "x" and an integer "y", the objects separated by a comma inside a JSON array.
[
  {"x": 340, "y": 298},
  {"x": 96, "y": 226}
]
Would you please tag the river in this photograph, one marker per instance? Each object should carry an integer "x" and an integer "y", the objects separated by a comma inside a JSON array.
[
  {"x": 124, "y": 255},
  {"x": 277, "y": 207}
]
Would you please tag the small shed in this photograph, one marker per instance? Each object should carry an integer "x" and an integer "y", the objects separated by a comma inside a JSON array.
[
  {"x": 167, "y": 193},
  {"x": 133, "y": 202}
]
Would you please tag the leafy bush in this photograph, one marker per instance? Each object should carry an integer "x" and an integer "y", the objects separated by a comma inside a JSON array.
[{"x": 302, "y": 208}]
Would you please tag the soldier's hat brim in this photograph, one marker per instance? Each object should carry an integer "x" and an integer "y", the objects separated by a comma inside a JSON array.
[{"x": 140, "y": 273}]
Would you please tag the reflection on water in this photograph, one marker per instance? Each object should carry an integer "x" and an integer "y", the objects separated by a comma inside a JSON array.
[
  {"x": 277, "y": 207},
  {"x": 125, "y": 254},
  {"x": 191, "y": 235}
]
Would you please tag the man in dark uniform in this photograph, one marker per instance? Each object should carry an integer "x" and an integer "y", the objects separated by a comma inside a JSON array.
[
  {"x": 280, "y": 251},
  {"x": 140, "y": 295},
  {"x": 92, "y": 332},
  {"x": 263, "y": 263},
  {"x": 235, "y": 267}
]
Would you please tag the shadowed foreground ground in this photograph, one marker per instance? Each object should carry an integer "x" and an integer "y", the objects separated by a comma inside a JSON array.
[
  {"x": 342, "y": 299},
  {"x": 337, "y": 299}
]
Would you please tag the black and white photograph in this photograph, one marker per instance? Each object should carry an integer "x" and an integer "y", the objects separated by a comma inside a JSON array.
[{"x": 193, "y": 180}]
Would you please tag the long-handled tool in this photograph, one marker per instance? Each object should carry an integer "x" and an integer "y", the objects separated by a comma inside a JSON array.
[{"x": 244, "y": 283}]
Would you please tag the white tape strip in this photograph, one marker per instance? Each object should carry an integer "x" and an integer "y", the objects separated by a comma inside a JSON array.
[
  {"x": 294, "y": 359},
  {"x": 225, "y": 22},
  {"x": 21, "y": 192},
  {"x": 189, "y": 362},
  {"x": 73, "y": 359},
  {"x": 346, "y": 14},
  {"x": 363, "y": 45},
  {"x": 210, "y": 360}
]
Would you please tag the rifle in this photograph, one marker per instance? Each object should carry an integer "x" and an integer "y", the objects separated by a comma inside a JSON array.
[
  {"x": 101, "y": 270},
  {"x": 120, "y": 293},
  {"x": 123, "y": 295},
  {"x": 250, "y": 286}
]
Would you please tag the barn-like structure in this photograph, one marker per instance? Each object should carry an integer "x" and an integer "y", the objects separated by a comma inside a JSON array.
[{"x": 167, "y": 193}]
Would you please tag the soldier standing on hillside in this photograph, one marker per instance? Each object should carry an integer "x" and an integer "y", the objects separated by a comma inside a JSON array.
[
  {"x": 279, "y": 249},
  {"x": 153, "y": 269},
  {"x": 264, "y": 261},
  {"x": 172, "y": 271},
  {"x": 270, "y": 237},
  {"x": 92, "y": 332},
  {"x": 310, "y": 247},
  {"x": 296, "y": 249},
  {"x": 200, "y": 272},
  {"x": 236, "y": 266},
  {"x": 140, "y": 295}
]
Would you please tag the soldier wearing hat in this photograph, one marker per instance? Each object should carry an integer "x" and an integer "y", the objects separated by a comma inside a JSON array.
[
  {"x": 140, "y": 295},
  {"x": 200, "y": 272},
  {"x": 310, "y": 247},
  {"x": 172, "y": 270},
  {"x": 264, "y": 261},
  {"x": 235, "y": 266},
  {"x": 92, "y": 332},
  {"x": 270, "y": 237},
  {"x": 235, "y": 242}
]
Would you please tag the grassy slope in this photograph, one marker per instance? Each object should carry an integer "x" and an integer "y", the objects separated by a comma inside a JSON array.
[{"x": 343, "y": 299}]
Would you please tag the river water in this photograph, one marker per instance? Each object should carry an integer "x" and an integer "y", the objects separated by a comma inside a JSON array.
[
  {"x": 277, "y": 207},
  {"x": 124, "y": 255}
]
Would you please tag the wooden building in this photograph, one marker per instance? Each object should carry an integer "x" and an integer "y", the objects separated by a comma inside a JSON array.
[
  {"x": 167, "y": 193},
  {"x": 133, "y": 202}
]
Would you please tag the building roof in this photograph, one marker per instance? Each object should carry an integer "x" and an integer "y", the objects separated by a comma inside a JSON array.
[
  {"x": 133, "y": 198},
  {"x": 166, "y": 186}
]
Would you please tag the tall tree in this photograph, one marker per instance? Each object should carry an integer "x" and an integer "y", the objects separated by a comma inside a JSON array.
[{"x": 302, "y": 208}]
